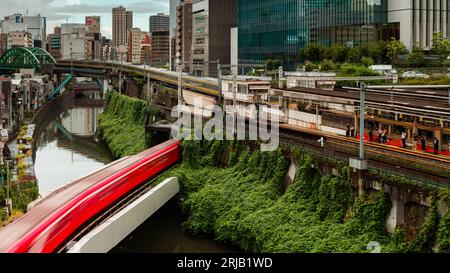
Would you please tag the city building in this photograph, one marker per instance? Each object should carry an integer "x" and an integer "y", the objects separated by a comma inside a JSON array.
[
  {"x": 93, "y": 23},
  {"x": 278, "y": 29},
  {"x": 54, "y": 43},
  {"x": 415, "y": 21},
  {"x": 129, "y": 19},
  {"x": 159, "y": 22},
  {"x": 173, "y": 4},
  {"x": 184, "y": 33},
  {"x": 119, "y": 26},
  {"x": 212, "y": 21},
  {"x": 138, "y": 39},
  {"x": 36, "y": 25},
  {"x": 94, "y": 46},
  {"x": 146, "y": 49},
  {"x": 3, "y": 43},
  {"x": 19, "y": 39},
  {"x": 74, "y": 41},
  {"x": 160, "y": 48}
]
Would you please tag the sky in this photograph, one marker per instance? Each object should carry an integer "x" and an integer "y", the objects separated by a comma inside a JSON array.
[{"x": 74, "y": 11}]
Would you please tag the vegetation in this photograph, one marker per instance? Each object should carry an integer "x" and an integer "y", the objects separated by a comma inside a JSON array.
[
  {"x": 237, "y": 195},
  {"x": 441, "y": 46},
  {"x": 122, "y": 124},
  {"x": 416, "y": 58},
  {"x": 394, "y": 48}
]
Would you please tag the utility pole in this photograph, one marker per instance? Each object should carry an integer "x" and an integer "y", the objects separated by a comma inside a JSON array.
[
  {"x": 180, "y": 86},
  {"x": 219, "y": 80},
  {"x": 362, "y": 120},
  {"x": 234, "y": 105},
  {"x": 71, "y": 59},
  {"x": 120, "y": 74}
]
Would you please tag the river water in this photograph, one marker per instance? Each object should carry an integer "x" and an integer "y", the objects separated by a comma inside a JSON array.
[{"x": 67, "y": 150}]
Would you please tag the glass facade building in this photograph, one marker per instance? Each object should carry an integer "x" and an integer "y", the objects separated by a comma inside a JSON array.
[{"x": 278, "y": 29}]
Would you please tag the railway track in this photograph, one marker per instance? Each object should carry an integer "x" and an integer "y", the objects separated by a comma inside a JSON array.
[{"x": 431, "y": 167}]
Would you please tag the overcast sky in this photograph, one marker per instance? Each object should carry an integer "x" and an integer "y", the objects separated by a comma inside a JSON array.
[{"x": 74, "y": 11}]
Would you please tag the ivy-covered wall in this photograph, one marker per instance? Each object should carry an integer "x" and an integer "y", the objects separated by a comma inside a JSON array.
[
  {"x": 122, "y": 125},
  {"x": 241, "y": 202}
]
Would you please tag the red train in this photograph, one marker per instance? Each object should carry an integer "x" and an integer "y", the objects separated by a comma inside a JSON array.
[{"x": 51, "y": 223}]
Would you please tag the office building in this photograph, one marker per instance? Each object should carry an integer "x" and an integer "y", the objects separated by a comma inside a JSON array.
[
  {"x": 119, "y": 26},
  {"x": 137, "y": 40},
  {"x": 74, "y": 39},
  {"x": 93, "y": 23},
  {"x": 212, "y": 21},
  {"x": 35, "y": 25},
  {"x": 159, "y": 48},
  {"x": 129, "y": 19},
  {"x": 19, "y": 39},
  {"x": 173, "y": 4},
  {"x": 54, "y": 43},
  {"x": 159, "y": 22},
  {"x": 184, "y": 33},
  {"x": 278, "y": 29}
]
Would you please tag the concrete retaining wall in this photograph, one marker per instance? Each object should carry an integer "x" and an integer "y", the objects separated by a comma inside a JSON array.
[{"x": 106, "y": 236}]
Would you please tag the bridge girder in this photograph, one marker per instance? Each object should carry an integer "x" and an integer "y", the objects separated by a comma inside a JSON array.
[{"x": 22, "y": 57}]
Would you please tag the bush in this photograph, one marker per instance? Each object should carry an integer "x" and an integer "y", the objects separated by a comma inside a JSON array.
[
  {"x": 367, "y": 61},
  {"x": 243, "y": 204},
  {"x": 122, "y": 124}
]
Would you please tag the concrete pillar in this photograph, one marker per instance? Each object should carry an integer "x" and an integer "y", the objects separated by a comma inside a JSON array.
[
  {"x": 409, "y": 135},
  {"x": 444, "y": 18},
  {"x": 438, "y": 134},
  {"x": 417, "y": 24},
  {"x": 397, "y": 214},
  {"x": 390, "y": 130},
  {"x": 423, "y": 24}
]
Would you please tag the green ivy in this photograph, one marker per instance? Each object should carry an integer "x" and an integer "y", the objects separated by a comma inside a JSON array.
[{"x": 122, "y": 124}]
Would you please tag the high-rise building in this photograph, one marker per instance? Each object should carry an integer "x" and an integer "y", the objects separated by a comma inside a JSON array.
[
  {"x": 136, "y": 40},
  {"x": 415, "y": 21},
  {"x": 54, "y": 43},
  {"x": 159, "y": 22},
  {"x": 159, "y": 48},
  {"x": 212, "y": 21},
  {"x": 119, "y": 26},
  {"x": 129, "y": 19},
  {"x": 183, "y": 35},
  {"x": 172, "y": 30},
  {"x": 37, "y": 26},
  {"x": 74, "y": 39},
  {"x": 278, "y": 29}
]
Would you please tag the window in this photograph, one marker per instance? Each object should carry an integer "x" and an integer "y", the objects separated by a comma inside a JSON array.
[
  {"x": 200, "y": 41},
  {"x": 200, "y": 30}
]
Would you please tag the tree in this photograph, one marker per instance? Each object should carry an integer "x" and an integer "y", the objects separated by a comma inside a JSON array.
[
  {"x": 416, "y": 58},
  {"x": 354, "y": 55},
  {"x": 338, "y": 53},
  {"x": 441, "y": 46},
  {"x": 377, "y": 51},
  {"x": 273, "y": 64},
  {"x": 312, "y": 52},
  {"x": 394, "y": 49},
  {"x": 367, "y": 61}
]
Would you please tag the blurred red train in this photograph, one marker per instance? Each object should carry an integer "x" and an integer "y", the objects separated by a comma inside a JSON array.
[{"x": 57, "y": 218}]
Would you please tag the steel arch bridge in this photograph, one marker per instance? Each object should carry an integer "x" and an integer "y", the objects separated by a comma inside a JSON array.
[{"x": 23, "y": 57}]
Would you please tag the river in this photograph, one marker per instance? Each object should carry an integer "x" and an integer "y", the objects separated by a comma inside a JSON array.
[{"x": 67, "y": 150}]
